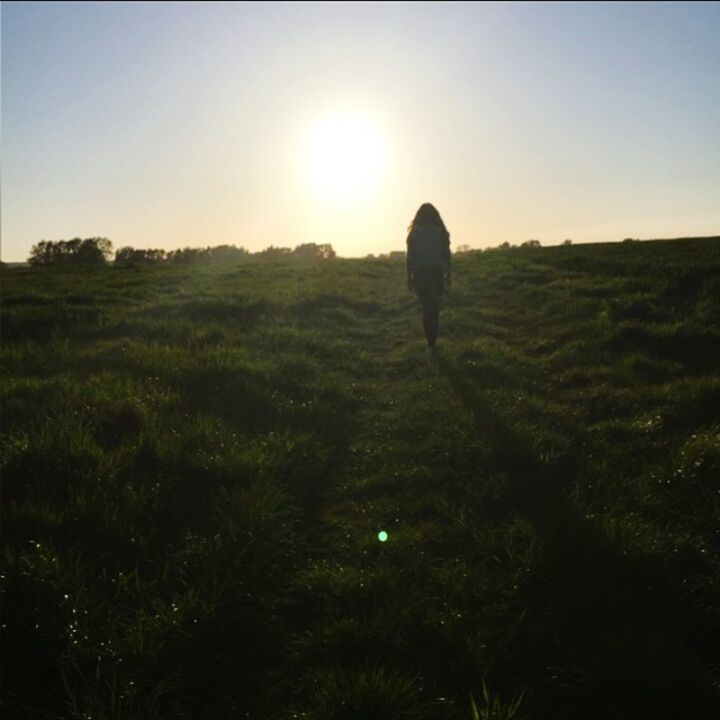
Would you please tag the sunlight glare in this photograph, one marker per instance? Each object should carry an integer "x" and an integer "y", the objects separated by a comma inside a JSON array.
[{"x": 344, "y": 156}]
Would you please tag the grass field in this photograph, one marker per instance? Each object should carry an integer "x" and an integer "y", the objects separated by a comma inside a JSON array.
[{"x": 196, "y": 463}]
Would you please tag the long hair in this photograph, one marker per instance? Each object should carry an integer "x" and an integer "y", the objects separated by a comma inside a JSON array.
[{"x": 427, "y": 214}]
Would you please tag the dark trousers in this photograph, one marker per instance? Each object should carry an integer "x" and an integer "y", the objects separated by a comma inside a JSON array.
[{"x": 428, "y": 284}]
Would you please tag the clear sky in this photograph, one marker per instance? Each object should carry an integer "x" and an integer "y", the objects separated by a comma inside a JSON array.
[{"x": 166, "y": 125}]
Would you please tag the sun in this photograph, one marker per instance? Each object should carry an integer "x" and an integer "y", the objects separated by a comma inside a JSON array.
[{"x": 344, "y": 155}]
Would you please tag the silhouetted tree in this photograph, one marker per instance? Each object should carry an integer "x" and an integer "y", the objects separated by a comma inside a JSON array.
[
  {"x": 94, "y": 251},
  {"x": 130, "y": 255},
  {"x": 313, "y": 251},
  {"x": 42, "y": 253},
  {"x": 227, "y": 253},
  {"x": 273, "y": 253},
  {"x": 186, "y": 255},
  {"x": 90, "y": 251},
  {"x": 531, "y": 244}
]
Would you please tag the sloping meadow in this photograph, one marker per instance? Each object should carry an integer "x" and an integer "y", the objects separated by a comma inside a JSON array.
[{"x": 196, "y": 464}]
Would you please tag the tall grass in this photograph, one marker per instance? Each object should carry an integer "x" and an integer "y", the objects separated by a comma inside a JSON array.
[{"x": 196, "y": 464}]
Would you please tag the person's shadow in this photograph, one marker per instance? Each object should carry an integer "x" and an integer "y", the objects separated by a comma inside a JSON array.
[{"x": 646, "y": 651}]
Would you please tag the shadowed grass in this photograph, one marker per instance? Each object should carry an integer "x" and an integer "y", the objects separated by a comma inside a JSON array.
[{"x": 196, "y": 464}]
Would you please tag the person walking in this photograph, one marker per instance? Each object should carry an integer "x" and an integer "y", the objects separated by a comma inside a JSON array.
[{"x": 428, "y": 266}]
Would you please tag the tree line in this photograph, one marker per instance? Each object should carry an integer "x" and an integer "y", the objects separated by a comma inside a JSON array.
[
  {"x": 90, "y": 251},
  {"x": 99, "y": 251}
]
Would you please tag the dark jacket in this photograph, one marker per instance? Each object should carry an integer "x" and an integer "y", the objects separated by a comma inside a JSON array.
[{"x": 428, "y": 246}]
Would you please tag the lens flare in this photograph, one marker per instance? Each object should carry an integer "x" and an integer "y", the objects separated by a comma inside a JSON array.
[{"x": 382, "y": 536}]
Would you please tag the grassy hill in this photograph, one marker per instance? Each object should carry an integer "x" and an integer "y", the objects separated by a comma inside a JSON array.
[{"x": 196, "y": 463}]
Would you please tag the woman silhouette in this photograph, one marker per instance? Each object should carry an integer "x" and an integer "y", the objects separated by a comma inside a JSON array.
[{"x": 428, "y": 266}]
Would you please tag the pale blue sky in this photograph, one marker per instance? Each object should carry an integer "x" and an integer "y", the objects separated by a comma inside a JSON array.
[{"x": 165, "y": 125}]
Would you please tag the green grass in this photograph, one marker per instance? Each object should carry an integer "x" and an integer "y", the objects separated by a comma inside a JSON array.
[{"x": 196, "y": 462}]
